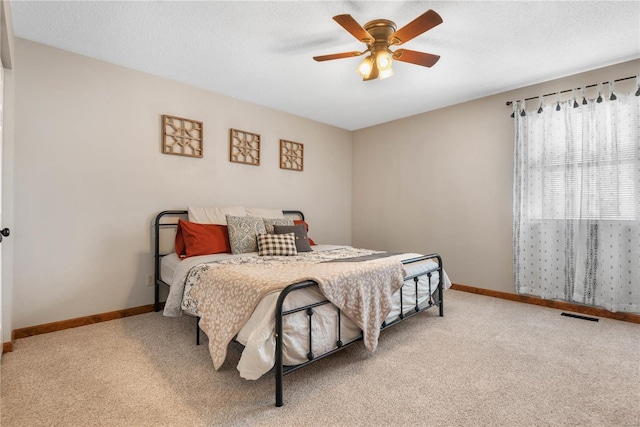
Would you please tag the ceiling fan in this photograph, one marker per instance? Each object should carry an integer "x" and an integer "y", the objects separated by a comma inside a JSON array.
[{"x": 380, "y": 35}]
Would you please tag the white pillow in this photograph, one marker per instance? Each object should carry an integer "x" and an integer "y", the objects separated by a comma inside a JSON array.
[
  {"x": 265, "y": 213},
  {"x": 214, "y": 215}
]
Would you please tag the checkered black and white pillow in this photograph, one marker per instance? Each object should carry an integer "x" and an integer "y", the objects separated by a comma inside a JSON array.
[{"x": 277, "y": 244}]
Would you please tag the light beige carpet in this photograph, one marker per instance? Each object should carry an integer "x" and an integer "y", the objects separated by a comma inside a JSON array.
[{"x": 488, "y": 362}]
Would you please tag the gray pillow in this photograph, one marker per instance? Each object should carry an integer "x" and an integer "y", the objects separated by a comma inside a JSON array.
[
  {"x": 270, "y": 222},
  {"x": 300, "y": 230},
  {"x": 242, "y": 233}
]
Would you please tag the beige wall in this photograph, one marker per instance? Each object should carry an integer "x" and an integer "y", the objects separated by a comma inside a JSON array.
[
  {"x": 442, "y": 182},
  {"x": 89, "y": 177}
]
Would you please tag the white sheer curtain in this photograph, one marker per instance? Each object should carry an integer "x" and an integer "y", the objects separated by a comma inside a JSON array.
[{"x": 577, "y": 201}]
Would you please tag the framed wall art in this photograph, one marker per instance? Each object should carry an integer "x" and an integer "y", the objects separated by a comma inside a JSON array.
[
  {"x": 291, "y": 155},
  {"x": 182, "y": 137},
  {"x": 244, "y": 147}
]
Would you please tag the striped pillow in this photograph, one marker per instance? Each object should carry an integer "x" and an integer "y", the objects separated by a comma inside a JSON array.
[{"x": 277, "y": 244}]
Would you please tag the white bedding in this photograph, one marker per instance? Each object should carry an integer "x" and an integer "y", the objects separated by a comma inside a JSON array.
[
  {"x": 168, "y": 266},
  {"x": 257, "y": 335}
]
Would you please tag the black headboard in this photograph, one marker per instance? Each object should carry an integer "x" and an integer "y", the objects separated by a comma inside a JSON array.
[{"x": 172, "y": 224}]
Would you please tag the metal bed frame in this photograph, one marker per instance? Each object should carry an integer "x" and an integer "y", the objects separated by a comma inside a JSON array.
[{"x": 280, "y": 369}]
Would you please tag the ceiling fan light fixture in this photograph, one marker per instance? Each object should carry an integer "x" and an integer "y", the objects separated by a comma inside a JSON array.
[
  {"x": 385, "y": 73},
  {"x": 365, "y": 67},
  {"x": 384, "y": 63},
  {"x": 383, "y": 59}
]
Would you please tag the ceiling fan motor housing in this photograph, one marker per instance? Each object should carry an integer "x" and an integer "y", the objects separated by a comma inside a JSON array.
[{"x": 380, "y": 30}]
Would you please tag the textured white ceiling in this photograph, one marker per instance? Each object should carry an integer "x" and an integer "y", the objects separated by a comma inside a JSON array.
[{"x": 262, "y": 51}]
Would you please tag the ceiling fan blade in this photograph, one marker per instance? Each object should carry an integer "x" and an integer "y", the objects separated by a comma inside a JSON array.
[
  {"x": 356, "y": 30},
  {"x": 422, "y": 23},
  {"x": 337, "y": 56},
  {"x": 413, "y": 57}
]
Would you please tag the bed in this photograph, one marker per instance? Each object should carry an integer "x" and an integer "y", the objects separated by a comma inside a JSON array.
[{"x": 293, "y": 324}]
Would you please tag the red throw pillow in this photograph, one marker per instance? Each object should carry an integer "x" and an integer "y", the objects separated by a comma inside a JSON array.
[
  {"x": 300, "y": 221},
  {"x": 194, "y": 239}
]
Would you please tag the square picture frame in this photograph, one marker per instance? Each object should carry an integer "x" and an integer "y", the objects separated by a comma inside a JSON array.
[
  {"x": 291, "y": 155},
  {"x": 244, "y": 147},
  {"x": 182, "y": 137}
]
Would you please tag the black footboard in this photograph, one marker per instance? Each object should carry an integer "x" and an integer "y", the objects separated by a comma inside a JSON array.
[{"x": 281, "y": 369}]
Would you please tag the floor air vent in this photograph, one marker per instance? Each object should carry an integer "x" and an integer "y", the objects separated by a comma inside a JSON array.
[{"x": 577, "y": 316}]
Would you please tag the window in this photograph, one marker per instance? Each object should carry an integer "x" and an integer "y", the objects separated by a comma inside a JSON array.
[{"x": 581, "y": 171}]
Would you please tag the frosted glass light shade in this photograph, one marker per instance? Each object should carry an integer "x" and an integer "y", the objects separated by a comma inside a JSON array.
[
  {"x": 365, "y": 67},
  {"x": 383, "y": 58}
]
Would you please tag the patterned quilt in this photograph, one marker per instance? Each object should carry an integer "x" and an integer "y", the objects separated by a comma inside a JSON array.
[
  {"x": 190, "y": 306},
  {"x": 225, "y": 293}
]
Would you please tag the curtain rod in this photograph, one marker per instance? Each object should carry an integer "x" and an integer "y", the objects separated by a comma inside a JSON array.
[{"x": 569, "y": 90}]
